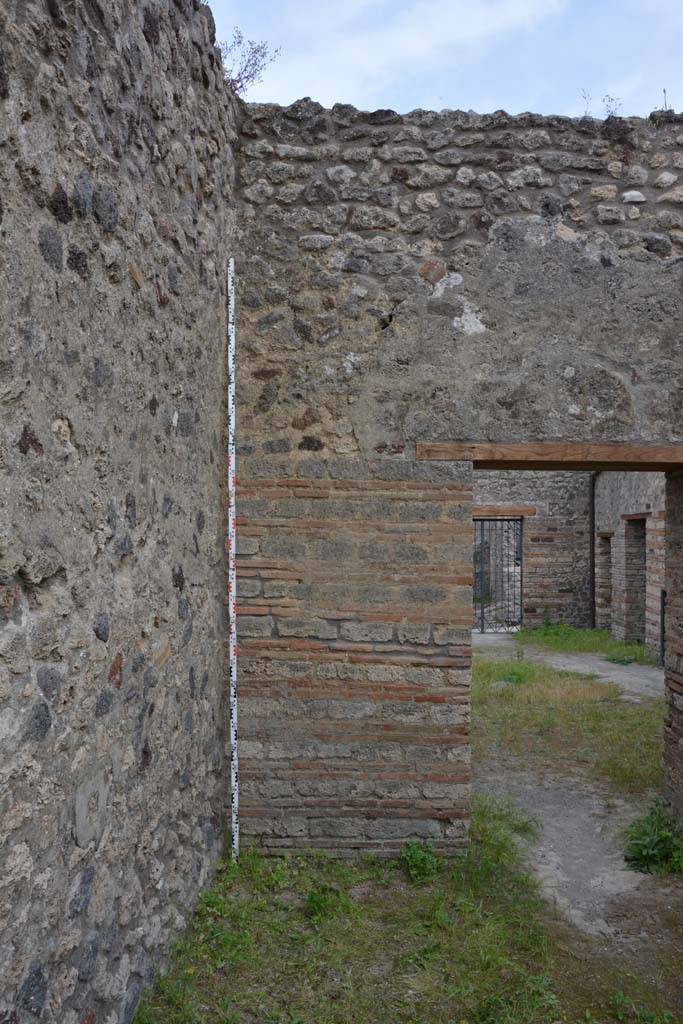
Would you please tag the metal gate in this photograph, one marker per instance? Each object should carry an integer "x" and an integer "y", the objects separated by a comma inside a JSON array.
[{"x": 498, "y": 547}]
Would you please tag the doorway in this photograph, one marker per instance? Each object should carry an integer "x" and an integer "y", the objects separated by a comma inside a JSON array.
[
  {"x": 634, "y": 580},
  {"x": 498, "y": 574}
]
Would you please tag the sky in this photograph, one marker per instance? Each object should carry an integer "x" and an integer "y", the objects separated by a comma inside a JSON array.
[{"x": 483, "y": 55}]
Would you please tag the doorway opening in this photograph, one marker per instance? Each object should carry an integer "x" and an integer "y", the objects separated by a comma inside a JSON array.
[
  {"x": 557, "y": 706},
  {"x": 498, "y": 574},
  {"x": 634, "y": 580}
]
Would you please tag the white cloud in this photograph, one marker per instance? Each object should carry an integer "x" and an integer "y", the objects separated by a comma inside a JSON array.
[{"x": 357, "y": 50}]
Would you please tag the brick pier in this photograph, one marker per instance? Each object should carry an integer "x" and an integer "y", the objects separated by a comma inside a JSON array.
[
  {"x": 355, "y": 716},
  {"x": 673, "y": 668}
]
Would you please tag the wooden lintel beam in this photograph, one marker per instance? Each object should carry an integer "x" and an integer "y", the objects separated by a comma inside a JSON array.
[
  {"x": 553, "y": 455},
  {"x": 628, "y": 516},
  {"x": 505, "y": 511}
]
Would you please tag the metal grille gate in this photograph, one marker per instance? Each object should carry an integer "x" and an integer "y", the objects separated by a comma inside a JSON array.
[{"x": 498, "y": 547}]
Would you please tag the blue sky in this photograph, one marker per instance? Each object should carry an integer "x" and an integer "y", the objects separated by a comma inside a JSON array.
[{"x": 470, "y": 54}]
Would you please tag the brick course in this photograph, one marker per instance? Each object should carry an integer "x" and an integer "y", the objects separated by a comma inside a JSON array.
[
  {"x": 603, "y": 581},
  {"x": 355, "y": 719},
  {"x": 629, "y": 568},
  {"x": 673, "y": 666},
  {"x": 630, "y": 507}
]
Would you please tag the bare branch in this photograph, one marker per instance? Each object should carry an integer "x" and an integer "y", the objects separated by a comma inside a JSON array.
[{"x": 244, "y": 61}]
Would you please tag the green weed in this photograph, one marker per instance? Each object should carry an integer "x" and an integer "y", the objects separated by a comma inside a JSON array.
[
  {"x": 654, "y": 842},
  {"x": 516, "y": 674},
  {"x": 421, "y": 863},
  {"x": 623, "y": 1009}
]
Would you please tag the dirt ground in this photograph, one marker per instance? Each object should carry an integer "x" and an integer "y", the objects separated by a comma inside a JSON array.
[
  {"x": 626, "y": 925},
  {"x": 647, "y": 680}
]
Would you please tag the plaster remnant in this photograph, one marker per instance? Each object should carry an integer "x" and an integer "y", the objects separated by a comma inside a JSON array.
[
  {"x": 469, "y": 322},
  {"x": 90, "y": 809},
  {"x": 452, "y": 280}
]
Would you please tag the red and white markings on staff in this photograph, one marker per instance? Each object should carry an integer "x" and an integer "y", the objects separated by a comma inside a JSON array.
[{"x": 232, "y": 611}]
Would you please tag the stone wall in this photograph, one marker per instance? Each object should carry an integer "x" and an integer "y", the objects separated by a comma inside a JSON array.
[
  {"x": 427, "y": 277},
  {"x": 458, "y": 277},
  {"x": 630, "y": 554},
  {"x": 115, "y": 221},
  {"x": 556, "y": 540}
]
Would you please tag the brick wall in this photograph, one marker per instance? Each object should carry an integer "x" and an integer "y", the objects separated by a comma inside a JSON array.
[
  {"x": 655, "y": 579},
  {"x": 673, "y": 734},
  {"x": 556, "y": 556},
  {"x": 637, "y": 554},
  {"x": 628, "y": 579},
  {"x": 603, "y": 582},
  {"x": 355, "y": 630}
]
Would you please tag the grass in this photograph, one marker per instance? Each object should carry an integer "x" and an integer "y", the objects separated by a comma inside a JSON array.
[
  {"x": 567, "y": 721},
  {"x": 311, "y": 940},
  {"x": 420, "y": 940},
  {"x": 568, "y": 640}
]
